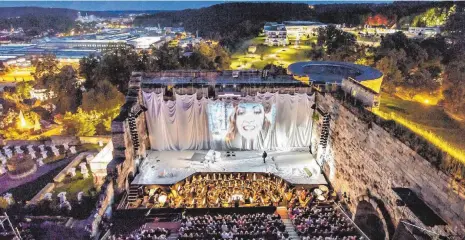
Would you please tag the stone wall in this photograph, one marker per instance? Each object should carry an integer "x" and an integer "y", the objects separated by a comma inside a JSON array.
[
  {"x": 95, "y": 139},
  {"x": 40, "y": 195},
  {"x": 366, "y": 95},
  {"x": 125, "y": 154},
  {"x": 123, "y": 166},
  {"x": 369, "y": 162}
]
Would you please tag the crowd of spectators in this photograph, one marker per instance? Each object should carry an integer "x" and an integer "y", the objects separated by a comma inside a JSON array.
[
  {"x": 144, "y": 234},
  {"x": 258, "y": 226},
  {"x": 322, "y": 222}
]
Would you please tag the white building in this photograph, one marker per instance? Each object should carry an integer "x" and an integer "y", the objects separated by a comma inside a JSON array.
[
  {"x": 87, "y": 19},
  {"x": 145, "y": 42},
  {"x": 78, "y": 43},
  {"x": 185, "y": 42},
  {"x": 41, "y": 94},
  {"x": 276, "y": 34},
  {"x": 428, "y": 31},
  {"x": 297, "y": 29}
]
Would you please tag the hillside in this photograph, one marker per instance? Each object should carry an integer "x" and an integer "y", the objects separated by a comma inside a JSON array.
[
  {"x": 13, "y": 12},
  {"x": 35, "y": 20},
  {"x": 356, "y": 14},
  {"x": 229, "y": 22},
  {"x": 121, "y": 13}
]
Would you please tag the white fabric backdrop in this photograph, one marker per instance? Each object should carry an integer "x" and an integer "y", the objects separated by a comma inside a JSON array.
[{"x": 184, "y": 123}]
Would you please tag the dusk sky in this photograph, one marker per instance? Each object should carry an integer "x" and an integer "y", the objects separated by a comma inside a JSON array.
[{"x": 134, "y": 5}]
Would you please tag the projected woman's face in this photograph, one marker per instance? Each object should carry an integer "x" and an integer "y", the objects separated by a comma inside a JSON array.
[{"x": 249, "y": 119}]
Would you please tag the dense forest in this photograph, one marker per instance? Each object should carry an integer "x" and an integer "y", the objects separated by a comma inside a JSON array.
[
  {"x": 232, "y": 22},
  {"x": 357, "y": 14},
  {"x": 14, "y": 12},
  {"x": 34, "y": 20},
  {"x": 229, "y": 22}
]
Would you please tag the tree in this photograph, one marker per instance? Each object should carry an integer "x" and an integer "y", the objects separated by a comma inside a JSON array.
[
  {"x": 454, "y": 88},
  {"x": 147, "y": 62},
  {"x": 420, "y": 81},
  {"x": 88, "y": 69},
  {"x": 456, "y": 34},
  {"x": 433, "y": 17},
  {"x": 116, "y": 66},
  {"x": 63, "y": 87},
  {"x": 196, "y": 60},
  {"x": 45, "y": 68},
  {"x": 334, "y": 39},
  {"x": 167, "y": 58},
  {"x": 405, "y": 62},
  {"x": 103, "y": 98},
  {"x": 80, "y": 123},
  {"x": 23, "y": 89},
  {"x": 317, "y": 53},
  {"x": 392, "y": 75},
  {"x": 415, "y": 54}
]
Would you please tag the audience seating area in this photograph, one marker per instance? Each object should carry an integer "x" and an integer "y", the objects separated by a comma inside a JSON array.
[
  {"x": 233, "y": 226},
  {"x": 312, "y": 211},
  {"x": 322, "y": 222},
  {"x": 143, "y": 234}
]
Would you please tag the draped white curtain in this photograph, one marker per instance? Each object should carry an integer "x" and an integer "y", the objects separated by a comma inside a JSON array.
[{"x": 183, "y": 124}]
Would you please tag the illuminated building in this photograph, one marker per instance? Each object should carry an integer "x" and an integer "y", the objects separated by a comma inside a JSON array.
[
  {"x": 429, "y": 31},
  {"x": 146, "y": 42},
  {"x": 296, "y": 29},
  {"x": 278, "y": 34}
]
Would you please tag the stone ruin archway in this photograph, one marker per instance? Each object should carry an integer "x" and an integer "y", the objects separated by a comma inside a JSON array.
[{"x": 370, "y": 218}]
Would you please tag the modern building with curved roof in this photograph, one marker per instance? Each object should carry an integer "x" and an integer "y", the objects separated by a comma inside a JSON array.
[{"x": 329, "y": 72}]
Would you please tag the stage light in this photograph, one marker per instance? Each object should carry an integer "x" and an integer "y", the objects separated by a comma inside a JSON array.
[{"x": 162, "y": 199}]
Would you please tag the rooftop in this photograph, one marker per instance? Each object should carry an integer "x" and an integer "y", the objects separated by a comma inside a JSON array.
[
  {"x": 216, "y": 78},
  {"x": 333, "y": 72},
  {"x": 302, "y": 23}
]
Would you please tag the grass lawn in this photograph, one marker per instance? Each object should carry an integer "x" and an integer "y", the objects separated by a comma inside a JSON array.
[
  {"x": 75, "y": 185},
  {"x": 427, "y": 117},
  {"x": 264, "y": 55},
  {"x": 89, "y": 147}
]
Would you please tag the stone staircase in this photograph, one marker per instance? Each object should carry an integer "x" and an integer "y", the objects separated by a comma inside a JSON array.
[
  {"x": 282, "y": 211},
  {"x": 173, "y": 236},
  {"x": 132, "y": 194},
  {"x": 325, "y": 131}
]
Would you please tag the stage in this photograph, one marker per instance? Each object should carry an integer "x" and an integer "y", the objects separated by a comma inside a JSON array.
[{"x": 170, "y": 167}]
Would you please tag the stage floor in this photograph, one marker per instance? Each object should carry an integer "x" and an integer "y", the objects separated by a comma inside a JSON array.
[{"x": 170, "y": 167}]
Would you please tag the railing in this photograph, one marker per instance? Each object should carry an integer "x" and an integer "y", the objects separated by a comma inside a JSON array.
[
  {"x": 123, "y": 202},
  {"x": 106, "y": 235}
]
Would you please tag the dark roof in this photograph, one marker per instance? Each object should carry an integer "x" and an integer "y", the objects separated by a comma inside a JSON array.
[
  {"x": 333, "y": 72},
  {"x": 426, "y": 215}
]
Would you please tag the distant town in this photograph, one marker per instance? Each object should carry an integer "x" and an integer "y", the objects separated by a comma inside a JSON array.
[{"x": 240, "y": 120}]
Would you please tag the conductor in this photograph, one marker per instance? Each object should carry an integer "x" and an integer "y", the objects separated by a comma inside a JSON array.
[{"x": 264, "y": 156}]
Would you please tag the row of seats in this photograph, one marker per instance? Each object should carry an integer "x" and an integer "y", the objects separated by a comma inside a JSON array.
[
  {"x": 143, "y": 234},
  {"x": 322, "y": 222},
  {"x": 233, "y": 226}
]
